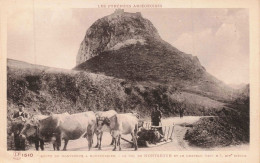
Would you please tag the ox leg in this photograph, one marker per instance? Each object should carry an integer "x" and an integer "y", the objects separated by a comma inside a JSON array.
[
  {"x": 36, "y": 142},
  {"x": 97, "y": 141},
  {"x": 136, "y": 146},
  {"x": 98, "y": 135},
  {"x": 90, "y": 134},
  {"x": 114, "y": 139},
  {"x": 119, "y": 144},
  {"x": 112, "y": 142},
  {"x": 90, "y": 140},
  {"x": 100, "y": 140},
  {"x": 58, "y": 142},
  {"x": 135, "y": 137},
  {"x": 41, "y": 144},
  {"x": 54, "y": 142},
  {"x": 134, "y": 140},
  {"x": 65, "y": 144},
  {"x": 54, "y": 146}
]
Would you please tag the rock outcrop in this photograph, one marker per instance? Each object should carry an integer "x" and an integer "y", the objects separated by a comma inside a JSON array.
[{"x": 114, "y": 31}]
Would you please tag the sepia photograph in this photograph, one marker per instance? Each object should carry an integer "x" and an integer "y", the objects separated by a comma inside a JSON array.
[{"x": 130, "y": 79}]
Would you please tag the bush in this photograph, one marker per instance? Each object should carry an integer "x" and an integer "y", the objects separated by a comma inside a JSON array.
[
  {"x": 231, "y": 127},
  {"x": 34, "y": 83}
]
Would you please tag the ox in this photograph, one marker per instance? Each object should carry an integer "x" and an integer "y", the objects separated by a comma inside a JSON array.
[
  {"x": 123, "y": 124},
  {"x": 42, "y": 129},
  {"x": 101, "y": 127},
  {"x": 67, "y": 127},
  {"x": 76, "y": 125},
  {"x": 33, "y": 132},
  {"x": 18, "y": 127}
]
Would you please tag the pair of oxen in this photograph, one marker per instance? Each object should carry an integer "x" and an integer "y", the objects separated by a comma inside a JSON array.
[{"x": 66, "y": 126}]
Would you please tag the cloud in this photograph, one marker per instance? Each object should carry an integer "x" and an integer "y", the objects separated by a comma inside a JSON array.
[{"x": 223, "y": 51}]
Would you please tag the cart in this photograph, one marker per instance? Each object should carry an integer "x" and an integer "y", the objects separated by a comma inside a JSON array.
[{"x": 152, "y": 136}]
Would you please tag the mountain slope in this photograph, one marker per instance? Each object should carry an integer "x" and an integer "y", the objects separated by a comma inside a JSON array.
[{"x": 127, "y": 46}]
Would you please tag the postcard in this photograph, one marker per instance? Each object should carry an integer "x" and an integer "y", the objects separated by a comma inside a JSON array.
[{"x": 129, "y": 81}]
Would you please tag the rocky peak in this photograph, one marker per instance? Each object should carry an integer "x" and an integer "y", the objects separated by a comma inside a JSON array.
[
  {"x": 115, "y": 31},
  {"x": 127, "y": 46}
]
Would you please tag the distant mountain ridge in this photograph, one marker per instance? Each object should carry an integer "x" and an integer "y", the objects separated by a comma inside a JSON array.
[
  {"x": 238, "y": 86},
  {"x": 128, "y": 46}
]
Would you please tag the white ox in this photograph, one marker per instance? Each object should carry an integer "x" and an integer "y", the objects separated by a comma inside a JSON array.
[
  {"x": 76, "y": 125},
  {"x": 67, "y": 127},
  {"x": 123, "y": 124},
  {"x": 101, "y": 127}
]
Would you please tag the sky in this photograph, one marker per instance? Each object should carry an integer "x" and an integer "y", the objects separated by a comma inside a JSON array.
[{"x": 52, "y": 36}]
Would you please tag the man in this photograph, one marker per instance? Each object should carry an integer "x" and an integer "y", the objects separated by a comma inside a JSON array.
[
  {"x": 19, "y": 142},
  {"x": 156, "y": 116},
  {"x": 21, "y": 112},
  {"x": 156, "y": 119},
  {"x": 181, "y": 110}
]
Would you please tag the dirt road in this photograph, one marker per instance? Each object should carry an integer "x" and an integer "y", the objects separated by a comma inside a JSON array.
[{"x": 178, "y": 143}]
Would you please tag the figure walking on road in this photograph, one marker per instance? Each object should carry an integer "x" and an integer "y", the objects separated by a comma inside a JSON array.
[{"x": 181, "y": 112}]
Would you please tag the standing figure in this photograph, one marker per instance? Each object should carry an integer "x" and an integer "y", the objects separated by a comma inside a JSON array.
[
  {"x": 156, "y": 116},
  {"x": 181, "y": 112},
  {"x": 21, "y": 112},
  {"x": 19, "y": 141},
  {"x": 156, "y": 119}
]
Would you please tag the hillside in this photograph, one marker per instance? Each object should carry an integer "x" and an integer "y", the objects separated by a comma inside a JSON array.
[
  {"x": 128, "y": 46},
  {"x": 44, "y": 89},
  {"x": 58, "y": 90}
]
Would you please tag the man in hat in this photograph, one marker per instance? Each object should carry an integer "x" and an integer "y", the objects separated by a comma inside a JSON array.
[
  {"x": 19, "y": 141},
  {"x": 21, "y": 112},
  {"x": 156, "y": 116}
]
